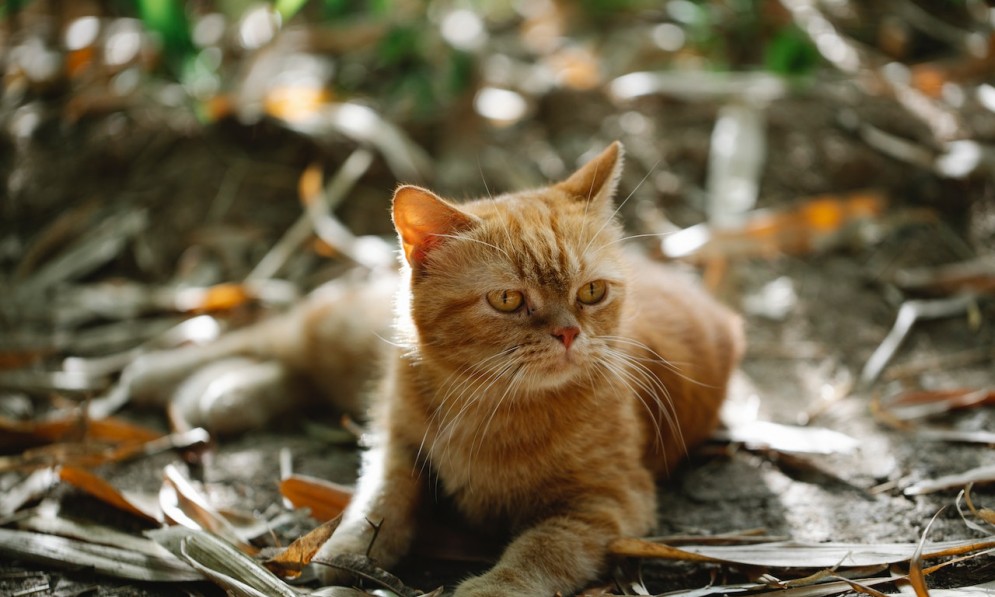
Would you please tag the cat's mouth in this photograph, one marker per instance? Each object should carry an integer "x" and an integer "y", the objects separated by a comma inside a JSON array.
[{"x": 556, "y": 367}]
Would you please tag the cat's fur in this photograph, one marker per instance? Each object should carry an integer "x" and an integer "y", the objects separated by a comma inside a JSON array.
[{"x": 552, "y": 421}]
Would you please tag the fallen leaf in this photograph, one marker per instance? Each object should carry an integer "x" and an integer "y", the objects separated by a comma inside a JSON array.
[
  {"x": 982, "y": 474},
  {"x": 19, "y": 434},
  {"x": 983, "y": 513},
  {"x": 108, "y": 560},
  {"x": 107, "y": 493},
  {"x": 50, "y": 522},
  {"x": 794, "y": 554},
  {"x": 325, "y": 499},
  {"x": 812, "y": 225},
  {"x": 182, "y": 503},
  {"x": 791, "y": 439},
  {"x": 916, "y": 577},
  {"x": 221, "y": 562},
  {"x": 290, "y": 562},
  {"x": 30, "y": 488},
  {"x": 920, "y": 404}
]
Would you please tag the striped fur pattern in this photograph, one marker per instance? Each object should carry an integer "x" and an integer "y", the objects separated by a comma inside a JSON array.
[{"x": 543, "y": 379}]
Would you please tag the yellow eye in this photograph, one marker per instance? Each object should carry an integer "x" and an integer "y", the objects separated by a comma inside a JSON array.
[
  {"x": 506, "y": 301},
  {"x": 592, "y": 292}
]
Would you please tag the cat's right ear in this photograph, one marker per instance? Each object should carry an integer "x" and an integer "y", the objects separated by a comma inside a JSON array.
[{"x": 423, "y": 220}]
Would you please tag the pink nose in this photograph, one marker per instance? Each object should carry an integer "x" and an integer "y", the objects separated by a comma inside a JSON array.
[{"x": 566, "y": 335}]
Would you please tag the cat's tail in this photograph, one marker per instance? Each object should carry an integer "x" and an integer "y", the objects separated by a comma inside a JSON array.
[{"x": 327, "y": 347}]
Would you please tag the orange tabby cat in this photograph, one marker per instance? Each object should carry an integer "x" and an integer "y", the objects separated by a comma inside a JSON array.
[{"x": 543, "y": 379}]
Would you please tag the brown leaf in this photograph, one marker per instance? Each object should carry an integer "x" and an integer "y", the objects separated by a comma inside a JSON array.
[
  {"x": 310, "y": 184},
  {"x": 105, "y": 492},
  {"x": 916, "y": 576},
  {"x": 630, "y": 547},
  {"x": 86, "y": 455},
  {"x": 924, "y": 403},
  {"x": 795, "y": 554},
  {"x": 71, "y": 427},
  {"x": 290, "y": 562},
  {"x": 220, "y": 297},
  {"x": 325, "y": 498},
  {"x": 812, "y": 225},
  {"x": 983, "y": 513},
  {"x": 185, "y": 505}
]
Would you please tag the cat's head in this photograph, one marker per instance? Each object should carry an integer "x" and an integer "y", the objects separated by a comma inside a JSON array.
[{"x": 522, "y": 290}]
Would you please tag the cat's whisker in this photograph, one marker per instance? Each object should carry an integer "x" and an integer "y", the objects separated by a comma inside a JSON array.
[
  {"x": 653, "y": 388},
  {"x": 635, "y": 236},
  {"x": 478, "y": 442},
  {"x": 390, "y": 341},
  {"x": 476, "y": 396},
  {"x": 620, "y": 372},
  {"x": 483, "y": 179},
  {"x": 488, "y": 369},
  {"x": 671, "y": 365}
]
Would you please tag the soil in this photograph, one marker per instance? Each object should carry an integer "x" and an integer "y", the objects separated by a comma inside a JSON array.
[{"x": 218, "y": 197}]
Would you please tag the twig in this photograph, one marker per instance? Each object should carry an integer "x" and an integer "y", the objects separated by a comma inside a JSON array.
[
  {"x": 348, "y": 174},
  {"x": 364, "y": 568},
  {"x": 908, "y": 314}
]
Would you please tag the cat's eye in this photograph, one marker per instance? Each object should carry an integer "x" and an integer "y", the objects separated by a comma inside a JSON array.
[
  {"x": 506, "y": 301},
  {"x": 593, "y": 292}
]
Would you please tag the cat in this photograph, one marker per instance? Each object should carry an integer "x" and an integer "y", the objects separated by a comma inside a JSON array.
[
  {"x": 540, "y": 376},
  {"x": 544, "y": 376}
]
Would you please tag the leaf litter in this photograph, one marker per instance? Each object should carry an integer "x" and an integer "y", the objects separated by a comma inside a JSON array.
[{"x": 62, "y": 262}]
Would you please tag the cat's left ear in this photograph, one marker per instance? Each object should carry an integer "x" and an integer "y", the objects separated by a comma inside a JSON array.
[
  {"x": 596, "y": 180},
  {"x": 423, "y": 220}
]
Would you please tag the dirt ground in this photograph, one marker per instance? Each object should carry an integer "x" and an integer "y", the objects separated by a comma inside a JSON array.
[{"x": 218, "y": 198}]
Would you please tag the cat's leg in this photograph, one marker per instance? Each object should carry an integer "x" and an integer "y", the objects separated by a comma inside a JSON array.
[
  {"x": 381, "y": 518},
  {"x": 563, "y": 552}
]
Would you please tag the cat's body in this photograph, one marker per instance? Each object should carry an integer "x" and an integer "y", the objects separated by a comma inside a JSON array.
[{"x": 541, "y": 377}]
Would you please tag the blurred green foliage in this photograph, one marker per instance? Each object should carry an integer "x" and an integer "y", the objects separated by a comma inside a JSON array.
[
  {"x": 412, "y": 72},
  {"x": 168, "y": 19},
  {"x": 790, "y": 52}
]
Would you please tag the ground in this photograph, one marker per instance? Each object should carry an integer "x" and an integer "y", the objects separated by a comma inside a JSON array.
[{"x": 218, "y": 197}]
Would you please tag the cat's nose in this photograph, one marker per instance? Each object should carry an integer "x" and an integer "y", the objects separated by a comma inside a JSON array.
[{"x": 566, "y": 334}]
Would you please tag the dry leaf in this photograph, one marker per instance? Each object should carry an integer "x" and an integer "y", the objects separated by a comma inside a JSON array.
[
  {"x": 296, "y": 104},
  {"x": 920, "y": 404},
  {"x": 220, "y": 297},
  {"x": 107, "y": 493},
  {"x": 982, "y": 474},
  {"x": 791, "y": 439},
  {"x": 33, "y": 433},
  {"x": 49, "y": 521},
  {"x": 916, "y": 577},
  {"x": 104, "y": 559},
  {"x": 974, "y": 276},
  {"x": 325, "y": 499},
  {"x": 182, "y": 503},
  {"x": 31, "y": 487},
  {"x": 222, "y": 562},
  {"x": 793, "y": 554},
  {"x": 812, "y": 225},
  {"x": 290, "y": 562},
  {"x": 983, "y": 513}
]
